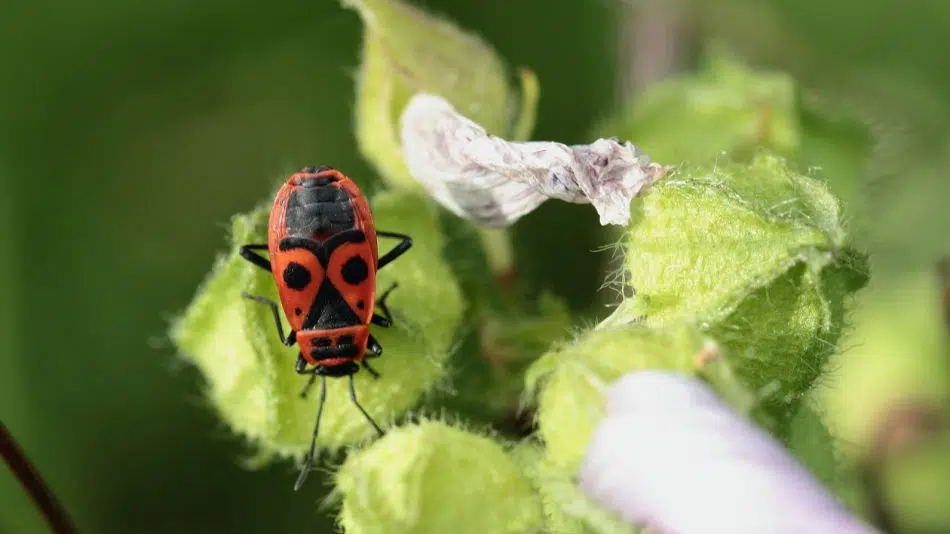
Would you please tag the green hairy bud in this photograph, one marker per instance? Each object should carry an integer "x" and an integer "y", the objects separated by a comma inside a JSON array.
[
  {"x": 433, "y": 477},
  {"x": 756, "y": 255}
]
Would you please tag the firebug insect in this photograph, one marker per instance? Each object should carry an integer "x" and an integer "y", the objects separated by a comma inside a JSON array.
[{"x": 323, "y": 250}]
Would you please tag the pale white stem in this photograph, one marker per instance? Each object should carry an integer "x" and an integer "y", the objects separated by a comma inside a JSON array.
[{"x": 653, "y": 40}]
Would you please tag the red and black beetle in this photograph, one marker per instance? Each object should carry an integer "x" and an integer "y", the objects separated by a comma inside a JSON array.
[{"x": 324, "y": 256}]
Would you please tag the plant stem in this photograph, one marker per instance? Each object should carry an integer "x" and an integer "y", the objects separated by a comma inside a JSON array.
[{"x": 31, "y": 480}]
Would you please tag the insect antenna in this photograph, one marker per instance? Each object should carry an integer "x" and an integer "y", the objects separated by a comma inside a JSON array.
[
  {"x": 31, "y": 480},
  {"x": 356, "y": 402},
  {"x": 308, "y": 462}
]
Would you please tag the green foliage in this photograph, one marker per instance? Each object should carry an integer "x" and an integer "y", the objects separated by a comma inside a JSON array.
[
  {"x": 741, "y": 261},
  {"x": 755, "y": 254},
  {"x": 127, "y": 141},
  {"x": 570, "y": 382},
  {"x": 435, "y": 477},
  {"x": 723, "y": 110},
  {"x": 812, "y": 443},
  {"x": 567, "y": 510},
  {"x": 727, "y": 111}
]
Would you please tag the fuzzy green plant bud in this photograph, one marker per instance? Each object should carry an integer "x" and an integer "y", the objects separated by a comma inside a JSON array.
[
  {"x": 723, "y": 108},
  {"x": 567, "y": 510},
  {"x": 432, "y": 477},
  {"x": 756, "y": 255},
  {"x": 569, "y": 382},
  {"x": 250, "y": 374},
  {"x": 406, "y": 51}
]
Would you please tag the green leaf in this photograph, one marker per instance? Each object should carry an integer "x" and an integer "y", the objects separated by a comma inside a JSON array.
[
  {"x": 432, "y": 477},
  {"x": 405, "y": 51},
  {"x": 723, "y": 109},
  {"x": 569, "y": 384},
  {"x": 470, "y": 257},
  {"x": 508, "y": 342},
  {"x": 812, "y": 444},
  {"x": 520, "y": 337},
  {"x": 757, "y": 256},
  {"x": 250, "y": 374}
]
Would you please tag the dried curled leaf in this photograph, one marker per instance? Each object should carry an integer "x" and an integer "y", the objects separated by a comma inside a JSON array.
[{"x": 494, "y": 182}]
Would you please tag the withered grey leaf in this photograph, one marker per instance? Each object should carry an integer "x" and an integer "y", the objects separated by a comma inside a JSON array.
[{"x": 494, "y": 182}]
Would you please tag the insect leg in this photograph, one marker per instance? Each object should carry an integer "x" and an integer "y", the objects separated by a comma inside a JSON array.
[
  {"x": 289, "y": 340},
  {"x": 368, "y": 418},
  {"x": 384, "y": 320},
  {"x": 373, "y": 372},
  {"x": 301, "y": 369},
  {"x": 247, "y": 252},
  {"x": 308, "y": 462},
  {"x": 397, "y": 251},
  {"x": 375, "y": 349}
]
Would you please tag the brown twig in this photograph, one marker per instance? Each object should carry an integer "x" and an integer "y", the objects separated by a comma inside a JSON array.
[{"x": 31, "y": 480}]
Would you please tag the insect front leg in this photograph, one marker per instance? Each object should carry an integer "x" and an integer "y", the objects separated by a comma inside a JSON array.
[
  {"x": 373, "y": 350},
  {"x": 247, "y": 252},
  {"x": 397, "y": 251},
  {"x": 372, "y": 372},
  {"x": 289, "y": 340}
]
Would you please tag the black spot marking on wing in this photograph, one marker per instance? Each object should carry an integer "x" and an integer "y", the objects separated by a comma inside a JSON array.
[
  {"x": 355, "y": 270},
  {"x": 296, "y": 276}
]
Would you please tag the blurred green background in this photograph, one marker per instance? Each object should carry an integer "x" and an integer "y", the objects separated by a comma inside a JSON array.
[{"x": 131, "y": 131}]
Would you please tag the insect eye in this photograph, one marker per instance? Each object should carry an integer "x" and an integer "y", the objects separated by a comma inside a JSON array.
[
  {"x": 310, "y": 169},
  {"x": 355, "y": 270}
]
